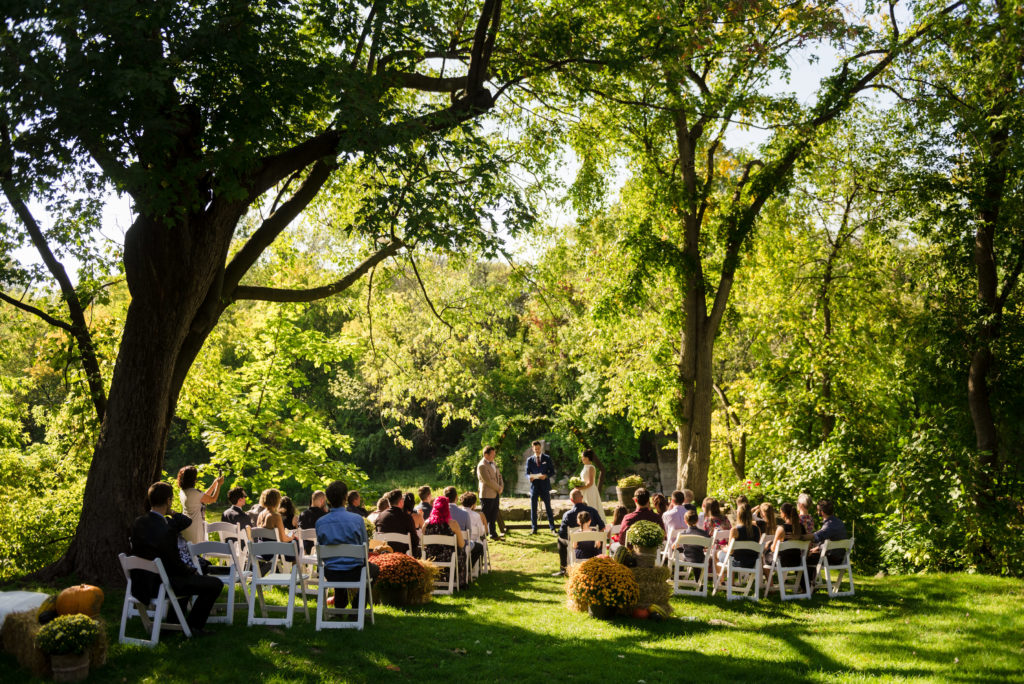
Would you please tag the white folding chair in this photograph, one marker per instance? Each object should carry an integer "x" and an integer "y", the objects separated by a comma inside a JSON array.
[
  {"x": 719, "y": 539},
  {"x": 693, "y": 583},
  {"x": 151, "y": 617},
  {"x": 576, "y": 536},
  {"x": 826, "y": 567},
  {"x": 365, "y": 596},
  {"x": 452, "y": 565},
  {"x": 228, "y": 532},
  {"x": 277, "y": 579},
  {"x": 485, "y": 559},
  {"x": 256, "y": 534},
  {"x": 400, "y": 537},
  {"x": 730, "y": 571},
  {"x": 309, "y": 574},
  {"x": 798, "y": 587},
  {"x": 222, "y": 551}
]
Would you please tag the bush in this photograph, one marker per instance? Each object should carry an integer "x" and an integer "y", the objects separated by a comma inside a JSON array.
[
  {"x": 602, "y": 582},
  {"x": 398, "y": 570},
  {"x": 645, "y": 534},
  {"x": 630, "y": 481},
  {"x": 68, "y": 635}
]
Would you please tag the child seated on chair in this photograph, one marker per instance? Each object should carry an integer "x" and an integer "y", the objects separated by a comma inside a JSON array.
[
  {"x": 691, "y": 552},
  {"x": 586, "y": 549}
]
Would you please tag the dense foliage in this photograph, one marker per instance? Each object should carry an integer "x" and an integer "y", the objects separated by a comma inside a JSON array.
[{"x": 867, "y": 343}]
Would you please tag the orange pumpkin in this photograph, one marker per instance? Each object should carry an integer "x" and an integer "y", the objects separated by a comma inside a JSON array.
[
  {"x": 84, "y": 598},
  {"x": 641, "y": 613}
]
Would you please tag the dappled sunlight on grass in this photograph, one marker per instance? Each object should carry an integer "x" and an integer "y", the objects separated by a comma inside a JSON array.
[{"x": 513, "y": 626}]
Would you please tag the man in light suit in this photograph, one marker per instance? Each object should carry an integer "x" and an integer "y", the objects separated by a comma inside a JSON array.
[
  {"x": 491, "y": 487},
  {"x": 540, "y": 469}
]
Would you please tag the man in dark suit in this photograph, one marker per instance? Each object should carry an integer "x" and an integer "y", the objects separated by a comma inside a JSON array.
[
  {"x": 153, "y": 535},
  {"x": 569, "y": 521},
  {"x": 235, "y": 513},
  {"x": 832, "y": 529},
  {"x": 540, "y": 469},
  {"x": 395, "y": 519}
]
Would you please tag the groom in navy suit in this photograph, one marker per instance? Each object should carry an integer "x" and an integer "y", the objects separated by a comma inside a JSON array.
[{"x": 541, "y": 470}]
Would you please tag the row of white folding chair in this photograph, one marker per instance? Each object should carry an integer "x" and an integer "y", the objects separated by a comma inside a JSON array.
[
  {"x": 834, "y": 588},
  {"x": 451, "y": 565}
]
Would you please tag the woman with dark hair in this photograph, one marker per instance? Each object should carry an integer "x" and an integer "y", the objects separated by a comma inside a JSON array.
[
  {"x": 714, "y": 520},
  {"x": 193, "y": 502},
  {"x": 409, "y": 506},
  {"x": 591, "y": 494},
  {"x": 790, "y": 529},
  {"x": 745, "y": 531},
  {"x": 440, "y": 522},
  {"x": 618, "y": 515},
  {"x": 287, "y": 510},
  {"x": 659, "y": 504}
]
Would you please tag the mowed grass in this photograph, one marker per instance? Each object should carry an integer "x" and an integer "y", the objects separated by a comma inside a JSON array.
[{"x": 512, "y": 626}]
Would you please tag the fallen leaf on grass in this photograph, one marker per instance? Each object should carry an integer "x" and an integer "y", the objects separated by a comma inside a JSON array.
[
  {"x": 393, "y": 668},
  {"x": 720, "y": 623},
  {"x": 459, "y": 651}
]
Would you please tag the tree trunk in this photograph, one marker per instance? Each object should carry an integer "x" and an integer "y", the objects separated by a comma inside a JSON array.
[{"x": 693, "y": 433}]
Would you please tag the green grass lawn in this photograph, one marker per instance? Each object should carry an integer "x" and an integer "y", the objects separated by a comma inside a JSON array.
[{"x": 513, "y": 626}]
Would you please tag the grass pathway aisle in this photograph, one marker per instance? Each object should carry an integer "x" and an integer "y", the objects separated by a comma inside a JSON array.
[{"x": 512, "y": 626}]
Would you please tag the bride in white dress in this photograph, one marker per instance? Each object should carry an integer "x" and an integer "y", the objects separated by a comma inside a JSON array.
[{"x": 591, "y": 495}]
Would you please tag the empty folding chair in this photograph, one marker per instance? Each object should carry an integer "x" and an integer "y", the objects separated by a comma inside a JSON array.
[
  {"x": 840, "y": 563},
  {"x": 364, "y": 598},
  {"x": 784, "y": 563},
  {"x": 577, "y": 536},
  {"x": 153, "y": 614},
  {"x": 730, "y": 571},
  {"x": 232, "y": 573},
  {"x": 288, "y": 579},
  {"x": 610, "y": 546},
  {"x": 451, "y": 565},
  {"x": 694, "y": 579}
]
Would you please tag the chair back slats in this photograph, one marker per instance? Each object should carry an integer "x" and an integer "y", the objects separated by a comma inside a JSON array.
[
  {"x": 439, "y": 540},
  {"x": 327, "y": 551},
  {"x": 693, "y": 540}
]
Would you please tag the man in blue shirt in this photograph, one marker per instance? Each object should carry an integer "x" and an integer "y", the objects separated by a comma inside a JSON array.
[
  {"x": 540, "y": 470},
  {"x": 832, "y": 529},
  {"x": 569, "y": 521},
  {"x": 341, "y": 527}
]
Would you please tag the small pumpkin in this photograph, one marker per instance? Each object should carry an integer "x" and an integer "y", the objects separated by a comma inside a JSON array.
[
  {"x": 83, "y": 598},
  {"x": 641, "y": 613}
]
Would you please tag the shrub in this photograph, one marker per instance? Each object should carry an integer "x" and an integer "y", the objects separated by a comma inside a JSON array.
[
  {"x": 602, "y": 582},
  {"x": 630, "y": 481},
  {"x": 67, "y": 634},
  {"x": 645, "y": 534}
]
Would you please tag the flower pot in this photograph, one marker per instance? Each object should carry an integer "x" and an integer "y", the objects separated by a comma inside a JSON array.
[
  {"x": 395, "y": 595},
  {"x": 625, "y": 495},
  {"x": 602, "y": 612},
  {"x": 70, "y": 668},
  {"x": 646, "y": 556}
]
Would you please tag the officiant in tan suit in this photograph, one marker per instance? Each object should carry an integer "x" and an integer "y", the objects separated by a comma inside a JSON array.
[{"x": 491, "y": 487}]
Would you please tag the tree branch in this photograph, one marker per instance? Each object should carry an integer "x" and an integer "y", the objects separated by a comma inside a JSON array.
[
  {"x": 423, "y": 289},
  {"x": 273, "y": 294},
  {"x": 57, "y": 323}
]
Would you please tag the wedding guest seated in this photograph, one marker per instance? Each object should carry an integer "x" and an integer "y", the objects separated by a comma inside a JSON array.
[
  {"x": 426, "y": 501},
  {"x": 618, "y": 515},
  {"x": 355, "y": 504},
  {"x": 270, "y": 518},
  {"x": 254, "y": 512},
  {"x": 477, "y": 526},
  {"x": 642, "y": 499},
  {"x": 659, "y": 504},
  {"x": 832, "y": 529},
  {"x": 586, "y": 549},
  {"x": 409, "y": 505},
  {"x": 154, "y": 535},
  {"x": 307, "y": 520},
  {"x": 804, "y": 504},
  {"x": 688, "y": 500},
  {"x": 675, "y": 517},
  {"x": 234, "y": 513},
  {"x": 440, "y": 522},
  {"x": 791, "y": 529},
  {"x": 341, "y": 527},
  {"x": 570, "y": 521},
  {"x": 703, "y": 513},
  {"x": 396, "y": 520},
  {"x": 767, "y": 524},
  {"x": 691, "y": 552},
  {"x": 382, "y": 505},
  {"x": 714, "y": 520},
  {"x": 287, "y": 511},
  {"x": 744, "y": 531}
]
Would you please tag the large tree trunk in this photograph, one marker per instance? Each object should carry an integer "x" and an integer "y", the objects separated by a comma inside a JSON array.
[{"x": 168, "y": 286}]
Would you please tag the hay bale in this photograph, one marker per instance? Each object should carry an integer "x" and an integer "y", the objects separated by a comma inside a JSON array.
[
  {"x": 654, "y": 586},
  {"x": 19, "y": 639}
]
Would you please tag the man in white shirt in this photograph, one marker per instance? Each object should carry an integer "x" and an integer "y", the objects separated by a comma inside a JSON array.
[{"x": 674, "y": 517}]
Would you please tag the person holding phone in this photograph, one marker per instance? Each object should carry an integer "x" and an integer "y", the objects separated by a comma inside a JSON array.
[{"x": 193, "y": 502}]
